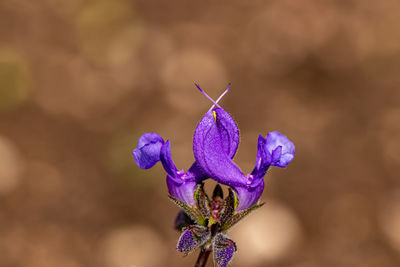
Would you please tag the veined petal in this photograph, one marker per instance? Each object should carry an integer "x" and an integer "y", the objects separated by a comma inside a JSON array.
[
  {"x": 281, "y": 149},
  {"x": 249, "y": 195},
  {"x": 209, "y": 151},
  {"x": 228, "y": 130},
  {"x": 147, "y": 152}
]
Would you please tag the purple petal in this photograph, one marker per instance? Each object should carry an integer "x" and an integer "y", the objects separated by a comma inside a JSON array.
[
  {"x": 180, "y": 185},
  {"x": 149, "y": 138},
  {"x": 196, "y": 172},
  {"x": 210, "y": 150},
  {"x": 249, "y": 195},
  {"x": 281, "y": 149},
  {"x": 147, "y": 152},
  {"x": 193, "y": 237},
  {"x": 166, "y": 159},
  {"x": 228, "y": 130},
  {"x": 263, "y": 159},
  {"x": 182, "y": 190},
  {"x": 223, "y": 248}
]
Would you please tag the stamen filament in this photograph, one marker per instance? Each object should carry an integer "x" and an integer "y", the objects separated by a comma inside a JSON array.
[
  {"x": 212, "y": 100},
  {"x": 204, "y": 93},
  {"x": 221, "y": 96}
]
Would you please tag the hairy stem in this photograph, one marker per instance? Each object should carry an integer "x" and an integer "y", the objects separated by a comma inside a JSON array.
[{"x": 203, "y": 257}]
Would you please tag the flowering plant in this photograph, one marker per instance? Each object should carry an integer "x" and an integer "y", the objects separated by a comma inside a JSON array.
[{"x": 204, "y": 221}]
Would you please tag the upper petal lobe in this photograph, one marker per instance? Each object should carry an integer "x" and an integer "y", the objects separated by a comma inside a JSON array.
[{"x": 147, "y": 152}]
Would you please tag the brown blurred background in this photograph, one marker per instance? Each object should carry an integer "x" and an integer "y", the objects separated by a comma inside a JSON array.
[{"x": 81, "y": 80}]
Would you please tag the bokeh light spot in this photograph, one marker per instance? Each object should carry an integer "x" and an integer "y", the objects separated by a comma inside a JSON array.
[
  {"x": 137, "y": 245},
  {"x": 15, "y": 79},
  {"x": 109, "y": 31},
  {"x": 10, "y": 166},
  {"x": 268, "y": 235}
]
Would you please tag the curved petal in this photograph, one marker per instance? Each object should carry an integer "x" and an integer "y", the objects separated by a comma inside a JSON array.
[
  {"x": 180, "y": 185},
  {"x": 182, "y": 190},
  {"x": 263, "y": 159},
  {"x": 208, "y": 148},
  {"x": 196, "y": 173},
  {"x": 249, "y": 195},
  {"x": 147, "y": 152},
  {"x": 166, "y": 159},
  {"x": 281, "y": 149},
  {"x": 149, "y": 138},
  {"x": 228, "y": 130}
]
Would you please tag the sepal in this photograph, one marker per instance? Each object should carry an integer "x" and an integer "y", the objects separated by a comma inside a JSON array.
[
  {"x": 238, "y": 216},
  {"x": 202, "y": 200},
  {"x": 193, "y": 212},
  {"x": 229, "y": 206},
  {"x": 192, "y": 238},
  {"x": 218, "y": 192},
  {"x": 223, "y": 248}
]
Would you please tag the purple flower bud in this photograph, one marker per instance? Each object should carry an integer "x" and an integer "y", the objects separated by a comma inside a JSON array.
[{"x": 182, "y": 220}]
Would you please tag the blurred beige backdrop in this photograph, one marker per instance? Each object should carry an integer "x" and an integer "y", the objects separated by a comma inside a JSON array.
[{"x": 81, "y": 80}]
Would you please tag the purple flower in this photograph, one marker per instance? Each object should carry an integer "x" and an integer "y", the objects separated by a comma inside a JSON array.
[
  {"x": 215, "y": 143},
  {"x": 204, "y": 220}
]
